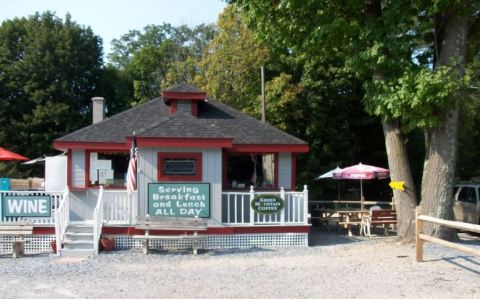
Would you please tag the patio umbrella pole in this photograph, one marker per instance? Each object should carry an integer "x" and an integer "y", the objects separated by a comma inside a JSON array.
[{"x": 361, "y": 194}]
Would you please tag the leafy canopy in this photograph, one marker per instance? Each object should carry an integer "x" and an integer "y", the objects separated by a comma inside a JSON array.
[{"x": 49, "y": 69}]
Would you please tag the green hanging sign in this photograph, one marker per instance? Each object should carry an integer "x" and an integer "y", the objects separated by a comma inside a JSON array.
[{"x": 267, "y": 204}]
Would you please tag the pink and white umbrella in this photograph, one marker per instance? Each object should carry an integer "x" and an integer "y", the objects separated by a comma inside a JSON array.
[{"x": 361, "y": 172}]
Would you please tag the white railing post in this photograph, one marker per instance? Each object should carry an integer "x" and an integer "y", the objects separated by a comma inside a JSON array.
[
  {"x": 305, "y": 204},
  {"x": 135, "y": 206},
  {"x": 252, "y": 212},
  {"x": 130, "y": 198},
  {"x": 282, "y": 213},
  {"x": 98, "y": 220},
  {"x": 62, "y": 214},
  {"x": 67, "y": 206},
  {"x": 58, "y": 230}
]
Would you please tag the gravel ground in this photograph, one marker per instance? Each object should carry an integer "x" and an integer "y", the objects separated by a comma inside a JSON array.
[{"x": 336, "y": 266}]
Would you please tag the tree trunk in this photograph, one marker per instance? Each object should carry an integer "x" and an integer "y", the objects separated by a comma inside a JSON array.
[
  {"x": 441, "y": 143},
  {"x": 399, "y": 165},
  {"x": 398, "y": 162}
]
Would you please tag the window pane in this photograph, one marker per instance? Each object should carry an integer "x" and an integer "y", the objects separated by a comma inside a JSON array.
[
  {"x": 108, "y": 168},
  {"x": 179, "y": 167},
  {"x": 245, "y": 170},
  {"x": 467, "y": 194}
]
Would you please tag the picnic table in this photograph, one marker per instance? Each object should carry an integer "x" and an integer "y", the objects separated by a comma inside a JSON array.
[{"x": 345, "y": 218}]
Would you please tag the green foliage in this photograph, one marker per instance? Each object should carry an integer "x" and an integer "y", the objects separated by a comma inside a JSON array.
[
  {"x": 116, "y": 86},
  {"x": 49, "y": 69},
  {"x": 160, "y": 56},
  {"x": 231, "y": 65},
  {"x": 390, "y": 46},
  {"x": 390, "y": 38},
  {"x": 417, "y": 98}
]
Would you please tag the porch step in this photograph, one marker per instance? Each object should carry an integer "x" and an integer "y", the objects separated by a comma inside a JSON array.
[
  {"x": 78, "y": 244},
  {"x": 79, "y": 236},
  {"x": 80, "y": 228},
  {"x": 78, "y": 239}
]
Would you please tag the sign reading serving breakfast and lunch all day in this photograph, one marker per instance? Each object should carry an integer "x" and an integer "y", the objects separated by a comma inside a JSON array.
[
  {"x": 267, "y": 204},
  {"x": 26, "y": 206},
  {"x": 179, "y": 199}
]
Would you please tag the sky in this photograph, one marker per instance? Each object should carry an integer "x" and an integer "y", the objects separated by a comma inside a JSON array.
[{"x": 112, "y": 18}]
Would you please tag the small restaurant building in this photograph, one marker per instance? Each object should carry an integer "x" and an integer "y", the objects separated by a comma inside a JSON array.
[{"x": 195, "y": 157}]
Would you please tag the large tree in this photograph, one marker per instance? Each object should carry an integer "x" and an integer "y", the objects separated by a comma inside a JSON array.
[
  {"x": 384, "y": 44},
  {"x": 451, "y": 30},
  {"x": 49, "y": 70}
]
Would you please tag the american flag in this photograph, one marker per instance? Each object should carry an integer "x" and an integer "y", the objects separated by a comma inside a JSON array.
[{"x": 132, "y": 167}]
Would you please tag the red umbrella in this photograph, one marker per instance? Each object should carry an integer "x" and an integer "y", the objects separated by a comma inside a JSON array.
[
  {"x": 6, "y": 155},
  {"x": 361, "y": 172}
]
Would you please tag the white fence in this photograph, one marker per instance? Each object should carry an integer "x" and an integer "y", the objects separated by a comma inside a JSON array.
[
  {"x": 237, "y": 210},
  {"x": 119, "y": 207},
  {"x": 55, "y": 198}
]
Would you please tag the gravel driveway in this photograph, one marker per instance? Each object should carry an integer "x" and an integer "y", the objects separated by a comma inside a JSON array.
[{"x": 336, "y": 266}]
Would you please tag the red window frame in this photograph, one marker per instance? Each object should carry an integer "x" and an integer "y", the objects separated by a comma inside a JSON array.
[{"x": 178, "y": 178}]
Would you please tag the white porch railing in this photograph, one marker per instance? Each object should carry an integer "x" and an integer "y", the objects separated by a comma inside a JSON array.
[
  {"x": 55, "y": 198},
  {"x": 119, "y": 207},
  {"x": 62, "y": 216},
  {"x": 236, "y": 208},
  {"x": 98, "y": 220}
]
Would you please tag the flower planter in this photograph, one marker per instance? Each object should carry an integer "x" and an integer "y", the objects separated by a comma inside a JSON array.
[
  {"x": 53, "y": 245},
  {"x": 107, "y": 244}
]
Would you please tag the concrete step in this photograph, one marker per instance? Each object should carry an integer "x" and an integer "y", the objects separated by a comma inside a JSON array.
[
  {"x": 78, "y": 244},
  {"x": 80, "y": 228},
  {"x": 79, "y": 236}
]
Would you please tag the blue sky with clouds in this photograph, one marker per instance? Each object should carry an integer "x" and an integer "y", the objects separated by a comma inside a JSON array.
[{"x": 112, "y": 18}]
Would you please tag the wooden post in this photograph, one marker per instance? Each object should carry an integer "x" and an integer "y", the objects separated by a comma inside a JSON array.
[
  {"x": 418, "y": 231},
  {"x": 264, "y": 110}
]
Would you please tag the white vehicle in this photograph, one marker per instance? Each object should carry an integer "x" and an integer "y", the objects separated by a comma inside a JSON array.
[{"x": 467, "y": 203}]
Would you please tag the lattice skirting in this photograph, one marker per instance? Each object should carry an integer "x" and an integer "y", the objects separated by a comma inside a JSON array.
[
  {"x": 41, "y": 243},
  {"x": 220, "y": 241},
  {"x": 35, "y": 244}
]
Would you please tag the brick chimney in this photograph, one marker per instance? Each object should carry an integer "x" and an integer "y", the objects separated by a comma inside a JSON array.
[{"x": 98, "y": 109}]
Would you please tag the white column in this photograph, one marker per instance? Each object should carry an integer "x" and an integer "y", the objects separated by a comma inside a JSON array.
[
  {"x": 252, "y": 212},
  {"x": 305, "y": 205},
  {"x": 282, "y": 213}
]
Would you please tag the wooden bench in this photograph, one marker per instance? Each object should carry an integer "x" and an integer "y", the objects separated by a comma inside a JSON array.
[
  {"x": 150, "y": 223},
  {"x": 20, "y": 229},
  {"x": 379, "y": 217}
]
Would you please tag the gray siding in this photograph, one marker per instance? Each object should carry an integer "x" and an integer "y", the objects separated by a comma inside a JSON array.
[
  {"x": 78, "y": 168},
  {"x": 211, "y": 173},
  {"x": 285, "y": 170},
  {"x": 184, "y": 107}
]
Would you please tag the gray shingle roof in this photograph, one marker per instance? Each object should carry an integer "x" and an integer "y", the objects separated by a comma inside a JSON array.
[
  {"x": 153, "y": 119},
  {"x": 183, "y": 87}
]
